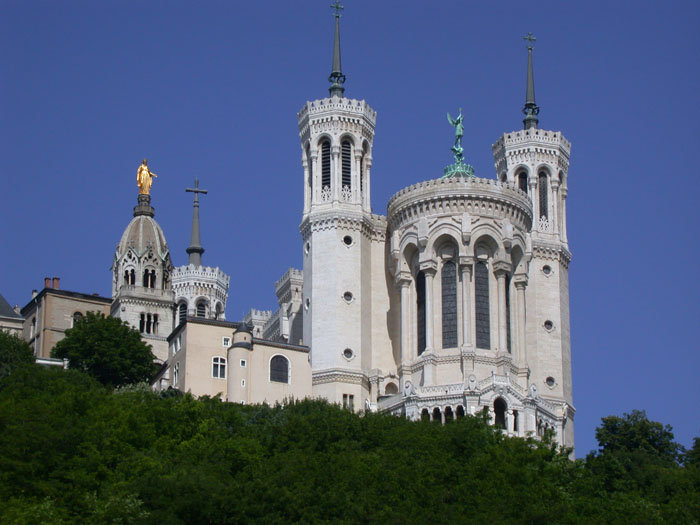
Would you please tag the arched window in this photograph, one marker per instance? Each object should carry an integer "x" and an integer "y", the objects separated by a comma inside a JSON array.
[
  {"x": 325, "y": 164},
  {"x": 515, "y": 420},
  {"x": 201, "y": 309},
  {"x": 449, "y": 305},
  {"x": 460, "y": 411},
  {"x": 155, "y": 324},
  {"x": 437, "y": 415},
  {"x": 542, "y": 181},
  {"x": 218, "y": 367},
  {"x": 182, "y": 312},
  {"x": 219, "y": 312},
  {"x": 522, "y": 181},
  {"x": 499, "y": 409},
  {"x": 346, "y": 153},
  {"x": 420, "y": 298},
  {"x": 142, "y": 324},
  {"x": 449, "y": 415},
  {"x": 481, "y": 307},
  {"x": 425, "y": 415},
  {"x": 391, "y": 389},
  {"x": 77, "y": 316},
  {"x": 279, "y": 369}
]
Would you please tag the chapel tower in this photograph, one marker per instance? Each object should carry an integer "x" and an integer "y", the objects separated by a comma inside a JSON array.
[
  {"x": 342, "y": 241},
  {"x": 200, "y": 291},
  {"x": 536, "y": 161},
  {"x": 142, "y": 291}
]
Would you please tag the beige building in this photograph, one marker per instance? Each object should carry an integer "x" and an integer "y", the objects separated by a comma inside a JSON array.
[
  {"x": 53, "y": 311},
  {"x": 211, "y": 357}
]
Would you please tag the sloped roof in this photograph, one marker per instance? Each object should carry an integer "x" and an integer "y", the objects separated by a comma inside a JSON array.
[{"x": 6, "y": 310}]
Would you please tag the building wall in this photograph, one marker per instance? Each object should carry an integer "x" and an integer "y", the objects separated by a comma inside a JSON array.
[{"x": 50, "y": 314}]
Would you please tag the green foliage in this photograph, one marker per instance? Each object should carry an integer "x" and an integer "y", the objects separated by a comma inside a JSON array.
[
  {"x": 14, "y": 352},
  {"x": 73, "y": 451},
  {"x": 107, "y": 349}
]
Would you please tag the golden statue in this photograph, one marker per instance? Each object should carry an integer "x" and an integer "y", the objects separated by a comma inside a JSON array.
[{"x": 144, "y": 178}]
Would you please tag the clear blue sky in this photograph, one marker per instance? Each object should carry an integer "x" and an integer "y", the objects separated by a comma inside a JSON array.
[{"x": 211, "y": 90}]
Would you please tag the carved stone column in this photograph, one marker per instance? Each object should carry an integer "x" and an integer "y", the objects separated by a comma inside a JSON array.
[
  {"x": 509, "y": 422},
  {"x": 336, "y": 179},
  {"x": 555, "y": 205},
  {"x": 466, "y": 265},
  {"x": 315, "y": 186},
  {"x": 501, "y": 269},
  {"x": 429, "y": 268},
  {"x": 403, "y": 281},
  {"x": 356, "y": 194},
  {"x": 564, "y": 193},
  {"x": 307, "y": 189},
  {"x": 535, "y": 196},
  {"x": 520, "y": 283},
  {"x": 368, "y": 165}
]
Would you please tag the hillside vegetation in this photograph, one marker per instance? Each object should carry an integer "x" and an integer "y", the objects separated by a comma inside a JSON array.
[{"x": 75, "y": 451}]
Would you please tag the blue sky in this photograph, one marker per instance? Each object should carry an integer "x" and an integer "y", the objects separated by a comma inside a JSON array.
[{"x": 211, "y": 90}]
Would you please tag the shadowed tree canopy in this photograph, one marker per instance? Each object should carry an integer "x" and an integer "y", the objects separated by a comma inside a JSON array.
[
  {"x": 14, "y": 352},
  {"x": 107, "y": 349}
]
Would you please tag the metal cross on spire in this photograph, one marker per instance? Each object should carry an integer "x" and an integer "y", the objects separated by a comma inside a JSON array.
[
  {"x": 531, "y": 109},
  {"x": 337, "y": 8},
  {"x": 336, "y": 78},
  {"x": 530, "y": 39},
  {"x": 195, "y": 249}
]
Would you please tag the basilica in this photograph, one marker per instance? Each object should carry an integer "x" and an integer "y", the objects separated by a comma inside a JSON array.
[{"x": 453, "y": 303}]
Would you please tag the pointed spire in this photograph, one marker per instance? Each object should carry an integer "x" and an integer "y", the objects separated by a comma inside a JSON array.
[
  {"x": 195, "y": 249},
  {"x": 336, "y": 78},
  {"x": 531, "y": 109}
]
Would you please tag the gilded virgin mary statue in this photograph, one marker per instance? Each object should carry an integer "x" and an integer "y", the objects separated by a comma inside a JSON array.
[{"x": 144, "y": 178}]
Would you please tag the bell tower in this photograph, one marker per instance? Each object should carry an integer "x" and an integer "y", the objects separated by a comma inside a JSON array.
[
  {"x": 536, "y": 161},
  {"x": 338, "y": 234}
]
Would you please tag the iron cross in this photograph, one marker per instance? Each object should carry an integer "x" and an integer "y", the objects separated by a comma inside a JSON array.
[
  {"x": 196, "y": 191},
  {"x": 337, "y": 7},
  {"x": 530, "y": 39}
]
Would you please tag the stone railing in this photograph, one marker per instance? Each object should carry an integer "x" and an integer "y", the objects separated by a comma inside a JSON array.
[
  {"x": 538, "y": 135},
  {"x": 458, "y": 195}
]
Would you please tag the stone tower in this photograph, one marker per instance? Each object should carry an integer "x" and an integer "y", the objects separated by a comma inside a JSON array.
[
  {"x": 343, "y": 246},
  {"x": 142, "y": 291},
  {"x": 200, "y": 291},
  {"x": 536, "y": 161}
]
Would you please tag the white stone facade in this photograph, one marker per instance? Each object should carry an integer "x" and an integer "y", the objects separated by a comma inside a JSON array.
[{"x": 200, "y": 291}]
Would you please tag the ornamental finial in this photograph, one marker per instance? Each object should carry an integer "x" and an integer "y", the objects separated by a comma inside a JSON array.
[
  {"x": 336, "y": 78},
  {"x": 531, "y": 110},
  {"x": 459, "y": 167}
]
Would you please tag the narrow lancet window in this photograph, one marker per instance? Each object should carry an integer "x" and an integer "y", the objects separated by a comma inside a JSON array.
[
  {"x": 420, "y": 297},
  {"x": 325, "y": 165},
  {"x": 522, "y": 181},
  {"x": 449, "y": 305},
  {"x": 481, "y": 307},
  {"x": 542, "y": 182},
  {"x": 182, "y": 312},
  {"x": 347, "y": 164}
]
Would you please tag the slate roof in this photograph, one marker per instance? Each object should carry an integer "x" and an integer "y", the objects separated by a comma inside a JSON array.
[{"x": 6, "y": 310}]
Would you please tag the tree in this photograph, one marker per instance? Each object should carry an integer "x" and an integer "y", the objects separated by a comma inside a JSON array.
[
  {"x": 107, "y": 349},
  {"x": 14, "y": 352}
]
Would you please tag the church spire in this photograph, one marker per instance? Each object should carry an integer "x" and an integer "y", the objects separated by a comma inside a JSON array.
[
  {"x": 336, "y": 78},
  {"x": 531, "y": 109},
  {"x": 195, "y": 249}
]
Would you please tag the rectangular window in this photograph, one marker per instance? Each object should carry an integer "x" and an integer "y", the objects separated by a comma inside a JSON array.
[
  {"x": 242, "y": 383},
  {"x": 349, "y": 401},
  {"x": 218, "y": 367},
  {"x": 243, "y": 363},
  {"x": 226, "y": 342}
]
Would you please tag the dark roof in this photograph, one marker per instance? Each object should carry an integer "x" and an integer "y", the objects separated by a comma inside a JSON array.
[{"x": 6, "y": 310}]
